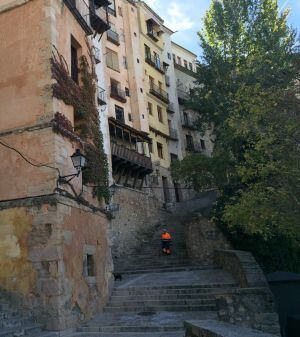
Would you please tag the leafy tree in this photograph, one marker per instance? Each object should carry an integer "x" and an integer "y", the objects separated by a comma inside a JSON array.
[{"x": 246, "y": 89}]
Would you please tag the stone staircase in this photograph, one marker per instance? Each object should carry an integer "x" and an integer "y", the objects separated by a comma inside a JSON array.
[
  {"x": 158, "y": 293},
  {"x": 14, "y": 322}
]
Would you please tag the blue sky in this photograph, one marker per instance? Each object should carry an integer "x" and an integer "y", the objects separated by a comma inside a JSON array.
[{"x": 186, "y": 18}]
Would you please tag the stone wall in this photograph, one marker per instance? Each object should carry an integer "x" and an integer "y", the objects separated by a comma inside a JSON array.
[
  {"x": 44, "y": 244},
  {"x": 252, "y": 305},
  {"x": 212, "y": 328},
  {"x": 140, "y": 213},
  {"x": 202, "y": 239}
]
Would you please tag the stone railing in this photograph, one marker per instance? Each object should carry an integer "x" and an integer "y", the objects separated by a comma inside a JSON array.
[
  {"x": 243, "y": 266},
  {"x": 212, "y": 328},
  {"x": 252, "y": 305}
]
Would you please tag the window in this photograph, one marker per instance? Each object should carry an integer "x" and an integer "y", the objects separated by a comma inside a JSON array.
[
  {"x": 174, "y": 157},
  {"x": 190, "y": 66},
  {"x": 125, "y": 62},
  {"x": 179, "y": 60},
  {"x": 202, "y": 143},
  {"x": 150, "y": 147},
  {"x": 74, "y": 64},
  {"x": 160, "y": 114},
  {"x": 90, "y": 260},
  {"x": 120, "y": 11},
  {"x": 119, "y": 113},
  {"x": 174, "y": 58},
  {"x": 169, "y": 56},
  {"x": 112, "y": 60},
  {"x": 186, "y": 118},
  {"x": 147, "y": 52},
  {"x": 160, "y": 85},
  {"x": 160, "y": 150},
  {"x": 130, "y": 117},
  {"x": 112, "y": 8},
  {"x": 151, "y": 80},
  {"x": 150, "y": 108},
  {"x": 185, "y": 64},
  {"x": 189, "y": 142},
  {"x": 127, "y": 92},
  {"x": 157, "y": 60}
]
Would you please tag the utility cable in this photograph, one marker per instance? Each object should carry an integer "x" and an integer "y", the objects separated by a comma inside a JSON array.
[{"x": 26, "y": 159}]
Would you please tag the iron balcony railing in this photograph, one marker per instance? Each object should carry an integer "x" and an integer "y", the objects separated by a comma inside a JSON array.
[
  {"x": 97, "y": 55},
  {"x": 168, "y": 81},
  {"x": 159, "y": 92},
  {"x": 90, "y": 14},
  {"x": 117, "y": 93},
  {"x": 173, "y": 134},
  {"x": 153, "y": 34},
  {"x": 101, "y": 96},
  {"x": 187, "y": 123},
  {"x": 155, "y": 63},
  {"x": 113, "y": 37},
  {"x": 194, "y": 148},
  {"x": 182, "y": 95},
  {"x": 171, "y": 108}
]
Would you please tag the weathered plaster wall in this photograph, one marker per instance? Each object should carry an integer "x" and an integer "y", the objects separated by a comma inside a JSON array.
[
  {"x": 25, "y": 68},
  {"x": 17, "y": 273},
  {"x": 43, "y": 246}
]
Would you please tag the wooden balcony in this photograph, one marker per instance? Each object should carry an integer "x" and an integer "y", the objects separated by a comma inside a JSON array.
[{"x": 130, "y": 158}]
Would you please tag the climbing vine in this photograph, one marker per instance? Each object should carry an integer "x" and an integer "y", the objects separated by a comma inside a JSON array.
[{"x": 87, "y": 123}]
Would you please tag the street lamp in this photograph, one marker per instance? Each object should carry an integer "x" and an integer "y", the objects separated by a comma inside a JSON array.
[{"x": 79, "y": 162}]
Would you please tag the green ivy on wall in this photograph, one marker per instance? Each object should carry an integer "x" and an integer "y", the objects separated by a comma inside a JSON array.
[{"x": 87, "y": 123}]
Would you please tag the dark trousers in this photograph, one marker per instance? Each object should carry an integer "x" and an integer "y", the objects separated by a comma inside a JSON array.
[{"x": 165, "y": 244}]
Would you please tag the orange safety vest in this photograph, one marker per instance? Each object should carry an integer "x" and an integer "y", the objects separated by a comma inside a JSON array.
[{"x": 166, "y": 236}]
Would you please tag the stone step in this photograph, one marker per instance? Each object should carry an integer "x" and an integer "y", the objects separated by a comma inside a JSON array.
[
  {"x": 155, "y": 303},
  {"x": 31, "y": 330},
  {"x": 129, "y": 334},
  {"x": 206, "y": 288},
  {"x": 118, "y": 329},
  {"x": 164, "y": 270},
  {"x": 111, "y": 309},
  {"x": 164, "y": 297}
]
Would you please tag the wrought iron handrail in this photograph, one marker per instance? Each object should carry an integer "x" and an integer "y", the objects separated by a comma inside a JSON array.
[
  {"x": 116, "y": 90},
  {"x": 155, "y": 63},
  {"x": 156, "y": 90}
]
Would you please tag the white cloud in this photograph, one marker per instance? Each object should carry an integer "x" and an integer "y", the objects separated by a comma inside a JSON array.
[
  {"x": 152, "y": 3},
  {"x": 176, "y": 19}
]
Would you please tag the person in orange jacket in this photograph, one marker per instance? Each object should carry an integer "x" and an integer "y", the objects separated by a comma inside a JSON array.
[{"x": 166, "y": 242}]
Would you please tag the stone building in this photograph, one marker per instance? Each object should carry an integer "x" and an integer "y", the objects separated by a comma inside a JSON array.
[
  {"x": 95, "y": 76},
  {"x": 54, "y": 248},
  {"x": 185, "y": 69}
]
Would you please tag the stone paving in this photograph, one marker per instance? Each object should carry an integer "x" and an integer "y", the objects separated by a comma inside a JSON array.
[{"x": 156, "y": 301}]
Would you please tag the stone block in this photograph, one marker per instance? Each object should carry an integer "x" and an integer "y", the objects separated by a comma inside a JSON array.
[{"x": 49, "y": 287}]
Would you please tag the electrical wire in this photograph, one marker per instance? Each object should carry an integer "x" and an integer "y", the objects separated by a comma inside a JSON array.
[{"x": 26, "y": 159}]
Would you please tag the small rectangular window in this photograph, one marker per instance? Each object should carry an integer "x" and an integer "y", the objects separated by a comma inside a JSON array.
[
  {"x": 112, "y": 60},
  {"x": 169, "y": 56},
  {"x": 160, "y": 151},
  {"x": 90, "y": 260},
  {"x": 150, "y": 148},
  {"x": 127, "y": 92},
  {"x": 119, "y": 113},
  {"x": 185, "y": 64},
  {"x": 191, "y": 66},
  {"x": 150, "y": 108},
  {"x": 120, "y": 11},
  {"x": 74, "y": 64},
  {"x": 130, "y": 117},
  {"x": 125, "y": 62},
  {"x": 174, "y": 58},
  {"x": 160, "y": 114},
  {"x": 202, "y": 143},
  {"x": 179, "y": 60}
]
